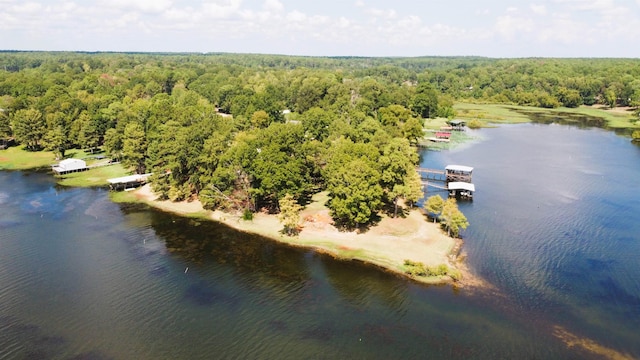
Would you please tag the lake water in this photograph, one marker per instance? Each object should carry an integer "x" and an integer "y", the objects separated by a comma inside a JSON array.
[{"x": 553, "y": 226}]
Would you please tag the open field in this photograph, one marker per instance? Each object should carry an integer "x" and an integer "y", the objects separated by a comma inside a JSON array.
[
  {"x": 93, "y": 177},
  {"x": 498, "y": 113},
  {"x": 16, "y": 158},
  {"x": 491, "y": 113}
]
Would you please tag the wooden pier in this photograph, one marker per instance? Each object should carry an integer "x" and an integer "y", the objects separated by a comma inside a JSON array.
[{"x": 432, "y": 174}]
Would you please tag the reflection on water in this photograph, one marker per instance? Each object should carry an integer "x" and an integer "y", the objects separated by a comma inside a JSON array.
[
  {"x": 82, "y": 277},
  {"x": 553, "y": 225},
  {"x": 578, "y": 120}
]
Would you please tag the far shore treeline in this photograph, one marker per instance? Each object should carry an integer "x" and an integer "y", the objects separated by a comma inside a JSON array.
[{"x": 243, "y": 131}]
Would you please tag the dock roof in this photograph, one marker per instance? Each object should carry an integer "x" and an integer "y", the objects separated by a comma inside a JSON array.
[
  {"x": 461, "y": 168},
  {"x": 129, "y": 179},
  {"x": 459, "y": 185}
]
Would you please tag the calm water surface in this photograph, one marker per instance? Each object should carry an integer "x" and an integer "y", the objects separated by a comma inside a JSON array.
[{"x": 553, "y": 227}]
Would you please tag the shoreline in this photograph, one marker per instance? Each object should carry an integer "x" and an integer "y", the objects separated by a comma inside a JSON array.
[{"x": 386, "y": 245}]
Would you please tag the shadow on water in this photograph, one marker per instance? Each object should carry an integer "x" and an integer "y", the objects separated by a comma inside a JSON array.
[
  {"x": 581, "y": 121},
  {"x": 204, "y": 294},
  {"x": 323, "y": 332},
  {"x": 613, "y": 293},
  {"x": 91, "y": 355},
  {"x": 28, "y": 341},
  {"x": 362, "y": 285},
  {"x": 258, "y": 262}
]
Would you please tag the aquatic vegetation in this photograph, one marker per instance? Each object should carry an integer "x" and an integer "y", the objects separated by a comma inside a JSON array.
[{"x": 415, "y": 268}]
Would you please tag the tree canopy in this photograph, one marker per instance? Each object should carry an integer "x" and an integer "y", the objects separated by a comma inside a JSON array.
[{"x": 243, "y": 131}]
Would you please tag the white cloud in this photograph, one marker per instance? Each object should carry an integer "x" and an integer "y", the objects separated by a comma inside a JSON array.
[
  {"x": 296, "y": 16},
  {"x": 380, "y": 13},
  {"x": 273, "y": 6},
  {"x": 150, "y": 6},
  {"x": 124, "y": 20},
  {"x": 220, "y": 9},
  {"x": 509, "y": 27},
  {"x": 539, "y": 9},
  {"x": 325, "y": 28},
  {"x": 564, "y": 30},
  {"x": 179, "y": 15},
  {"x": 587, "y": 4},
  {"x": 27, "y": 8}
]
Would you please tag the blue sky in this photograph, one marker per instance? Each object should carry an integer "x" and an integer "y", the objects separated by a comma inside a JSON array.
[{"x": 494, "y": 28}]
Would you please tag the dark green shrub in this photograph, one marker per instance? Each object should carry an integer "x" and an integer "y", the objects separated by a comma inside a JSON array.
[{"x": 247, "y": 215}]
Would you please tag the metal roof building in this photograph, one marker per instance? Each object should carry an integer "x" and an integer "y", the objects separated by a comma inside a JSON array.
[{"x": 69, "y": 165}]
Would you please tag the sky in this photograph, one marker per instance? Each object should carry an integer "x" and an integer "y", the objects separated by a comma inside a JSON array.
[{"x": 491, "y": 28}]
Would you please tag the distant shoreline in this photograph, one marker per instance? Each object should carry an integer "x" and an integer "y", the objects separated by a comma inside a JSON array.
[{"x": 386, "y": 245}]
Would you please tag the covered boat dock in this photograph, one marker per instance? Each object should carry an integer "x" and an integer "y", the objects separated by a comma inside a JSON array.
[
  {"x": 456, "y": 179},
  {"x": 127, "y": 183},
  {"x": 461, "y": 189},
  {"x": 458, "y": 173},
  {"x": 457, "y": 125}
]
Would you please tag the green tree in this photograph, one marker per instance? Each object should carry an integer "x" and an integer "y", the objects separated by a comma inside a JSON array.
[
  {"x": 279, "y": 166},
  {"x": 29, "y": 127},
  {"x": 230, "y": 183},
  {"x": 610, "y": 98},
  {"x": 165, "y": 162},
  {"x": 398, "y": 164},
  {"x": 413, "y": 130},
  {"x": 315, "y": 123},
  {"x": 289, "y": 214},
  {"x": 5, "y": 125},
  {"x": 134, "y": 147},
  {"x": 89, "y": 134},
  {"x": 260, "y": 119},
  {"x": 56, "y": 141},
  {"x": 113, "y": 143},
  {"x": 414, "y": 191},
  {"x": 356, "y": 194},
  {"x": 569, "y": 97},
  {"x": 452, "y": 218},
  {"x": 425, "y": 102},
  {"x": 434, "y": 205}
]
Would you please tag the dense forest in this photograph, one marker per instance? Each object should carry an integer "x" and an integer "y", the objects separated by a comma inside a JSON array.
[{"x": 242, "y": 131}]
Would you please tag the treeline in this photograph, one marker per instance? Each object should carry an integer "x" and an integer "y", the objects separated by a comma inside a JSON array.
[
  {"x": 220, "y": 132},
  {"x": 242, "y": 131}
]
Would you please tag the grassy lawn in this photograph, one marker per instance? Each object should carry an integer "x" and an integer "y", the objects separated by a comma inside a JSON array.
[
  {"x": 614, "y": 118},
  {"x": 93, "y": 177},
  {"x": 497, "y": 113},
  {"x": 457, "y": 138},
  {"x": 435, "y": 124},
  {"x": 492, "y": 113},
  {"x": 16, "y": 158},
  {"x": 123, "y": 197}
]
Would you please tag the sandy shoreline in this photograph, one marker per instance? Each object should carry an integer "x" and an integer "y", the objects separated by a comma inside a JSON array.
[{"x": 386, "y": 245}]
